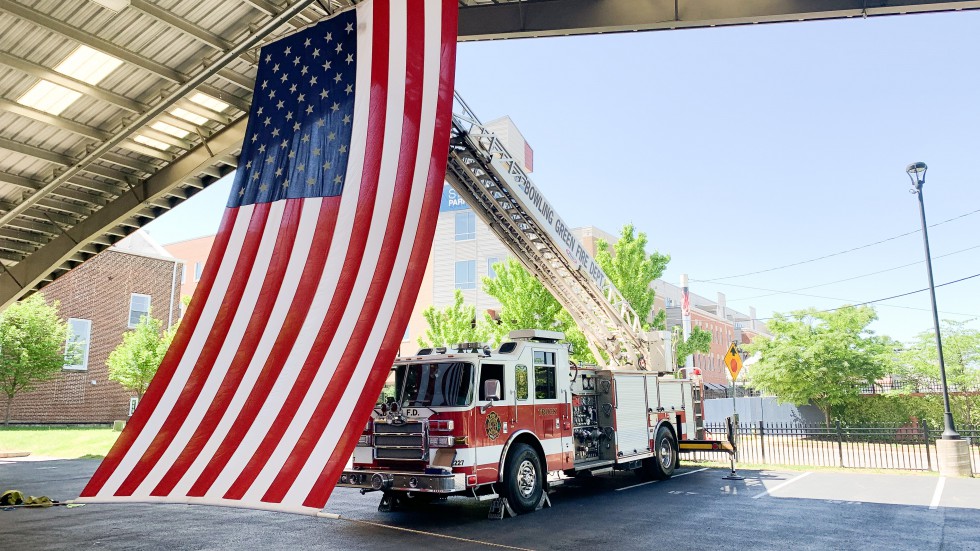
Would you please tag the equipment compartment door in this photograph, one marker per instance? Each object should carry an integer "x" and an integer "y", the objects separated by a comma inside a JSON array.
[{"x": 632, "y": 434}]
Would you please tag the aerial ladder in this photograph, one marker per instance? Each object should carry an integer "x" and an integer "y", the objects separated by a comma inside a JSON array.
[
  {"x": 496, "y": 187},
  {"x": 494, "y": 184}
]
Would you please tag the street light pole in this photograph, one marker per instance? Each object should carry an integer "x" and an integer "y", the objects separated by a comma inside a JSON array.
[{"x": 917, "y": 173}]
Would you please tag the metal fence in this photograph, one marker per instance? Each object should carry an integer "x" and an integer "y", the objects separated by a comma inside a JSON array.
[
  {"x": 917, "y": 387},
  {"x": 906, "y": 447}
]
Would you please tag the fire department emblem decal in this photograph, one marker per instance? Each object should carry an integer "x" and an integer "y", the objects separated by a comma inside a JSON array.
[{"x": 493, "y": 425}]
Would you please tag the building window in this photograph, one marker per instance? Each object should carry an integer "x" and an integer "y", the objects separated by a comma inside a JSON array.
[
  {"x": 76, "y": 345},
  {"x": 491, "y": 260},
  {"x": 139, "y": 306},
  {"x": 198, "y": 269},
  {"x": 466, "y": 274},
  {"x": 465, "y": 226},
  {"x": 133, "y": 401},
  {"x": 544, "y": 375}
]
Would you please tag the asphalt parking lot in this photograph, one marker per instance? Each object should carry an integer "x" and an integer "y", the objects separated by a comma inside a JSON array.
[{"x": 695, "y": 510}]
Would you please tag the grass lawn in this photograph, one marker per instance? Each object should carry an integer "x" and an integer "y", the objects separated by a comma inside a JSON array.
[{"x": 60, "y": 442}]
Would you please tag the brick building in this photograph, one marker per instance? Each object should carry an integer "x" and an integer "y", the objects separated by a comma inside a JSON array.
[
  {"x": 194, "y": 254},
  {"x": 102, "y": 299},
  {"x": 725, "y": 324}
]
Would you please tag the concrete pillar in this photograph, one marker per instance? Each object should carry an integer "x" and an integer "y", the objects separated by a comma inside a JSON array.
[{"x": 954, "y": 457}]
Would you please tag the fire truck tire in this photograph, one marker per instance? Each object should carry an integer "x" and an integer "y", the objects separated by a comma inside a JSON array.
[
  {"x": 661, "y": 466},
  {"x": 523, "y": 479}
]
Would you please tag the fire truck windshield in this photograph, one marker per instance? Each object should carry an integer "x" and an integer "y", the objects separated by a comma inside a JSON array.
[{"x": 434, "y": 384}]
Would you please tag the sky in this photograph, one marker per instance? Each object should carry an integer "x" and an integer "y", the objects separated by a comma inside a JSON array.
[{"x": 741, "y": 150}]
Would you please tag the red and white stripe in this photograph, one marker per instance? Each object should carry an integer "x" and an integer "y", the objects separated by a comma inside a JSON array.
[{"x": 300, "y": 310}]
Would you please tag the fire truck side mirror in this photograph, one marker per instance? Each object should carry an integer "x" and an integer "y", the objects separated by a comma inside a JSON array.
[{"x": 491, "y": 389}]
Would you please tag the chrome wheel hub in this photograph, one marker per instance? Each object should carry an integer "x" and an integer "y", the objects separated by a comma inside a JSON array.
[
  {"x": 666, "y": 455},
  {"x": 526, "y": 478}
]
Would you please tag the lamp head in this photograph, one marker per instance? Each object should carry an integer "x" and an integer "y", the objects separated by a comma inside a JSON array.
[
  {"x": 917, "y": 173},
  {"x": 916, "y": 168}
]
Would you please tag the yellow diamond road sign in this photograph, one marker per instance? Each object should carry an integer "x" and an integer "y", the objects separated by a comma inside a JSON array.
[{"x": 733, "y": 361}]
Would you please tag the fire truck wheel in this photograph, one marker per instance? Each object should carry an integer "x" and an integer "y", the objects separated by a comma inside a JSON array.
[
  {"x": 661, "y": 466},
  {"x": 523, "y": 481},
  {"x": 666, "y": 454}
]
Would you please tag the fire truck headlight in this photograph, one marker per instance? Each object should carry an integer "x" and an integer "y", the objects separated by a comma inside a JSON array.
[
  {"x": 441, "y": 441},
  {"x": 343, "y": 479},
  {"x": 364, "y": 441}
]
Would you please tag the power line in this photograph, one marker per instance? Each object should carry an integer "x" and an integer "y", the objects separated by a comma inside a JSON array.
[
  {"x": 794, "y": 291},
  {"x": 849, "y": 300},
  {"x": 886, "y": 298},
  {"x": 834, "y": 254}
]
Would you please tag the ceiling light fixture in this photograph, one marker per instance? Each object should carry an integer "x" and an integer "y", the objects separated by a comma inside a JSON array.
[
  {"x": 169, "y": 129},
  {"x": 188, "y": 116},
  {"x": 209, "y": 102},
  {"x": 48, "y": 97},
  {"x": 151, "y": 142}
]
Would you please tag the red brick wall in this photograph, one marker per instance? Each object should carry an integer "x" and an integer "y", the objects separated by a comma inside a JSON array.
[
  {"x": 712, "y": 364},
  {"x": 98, "y": 290}
]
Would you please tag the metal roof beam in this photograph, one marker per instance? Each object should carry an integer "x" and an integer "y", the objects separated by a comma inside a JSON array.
[
  {"x": 172, "y": 141},
  {"x": 42, "y": 216},
  {"x": 64, "y": 29},
  {"x": 42, "y": 72},
  {"x": 20, "y": 235},
  {"x": 575, "y": 17},
  {"x": 36, "y": 152},
  {"x": 271, "y": 9},
  {"x": 95, "y": 185},
  {"x": 146, "y": 150},
  {"x": 200, "y": 34},
  {"x": 45, "y": 227},
  {"x": 202, "y": 111},
  {"x": 230, "y": 99},
  {"x": 17, "y": 246},
  {"x": 62, "y": 206},
  {"x": 35, "y": 185},
  {"x": 144, "y": 119},
  {"x": 183, "y": 25},
  {"x": 129, "y": 162},
  {"x": 28, "y": 274},
  {"x": 110, "y": 173},
  {"x": 55, "y": 121}
]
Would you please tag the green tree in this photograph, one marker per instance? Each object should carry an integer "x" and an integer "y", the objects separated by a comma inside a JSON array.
[
  {"x": 919, "y": 362},
  {"x": 454, "y": 324},
  {"x": 135, "y": 361},
  {"x": 821, "y": 357},
  {"x": 632, "y": 270},
  {"x": 699, "y": 341},
  {"x": 32, "y": 339},
  {"x": 527, "y": 304}
]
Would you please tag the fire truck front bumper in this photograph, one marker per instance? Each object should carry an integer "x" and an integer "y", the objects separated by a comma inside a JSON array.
[{"x": 446, "y": 483}]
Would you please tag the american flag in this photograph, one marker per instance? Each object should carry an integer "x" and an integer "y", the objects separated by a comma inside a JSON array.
[{"x": 313, "y": 274}]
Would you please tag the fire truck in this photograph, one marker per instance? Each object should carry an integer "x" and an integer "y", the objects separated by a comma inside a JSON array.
[{"x": 509, "y": 423}]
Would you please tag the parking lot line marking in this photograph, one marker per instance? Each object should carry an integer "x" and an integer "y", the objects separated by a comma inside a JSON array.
[
  {"x": 637, "y": 485},
  {"x": 938, "y": 493},
  {"x": 424, "y": 533},
  {"x": 778, "y": 486},
  {"x": 655, "y": 481}
]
